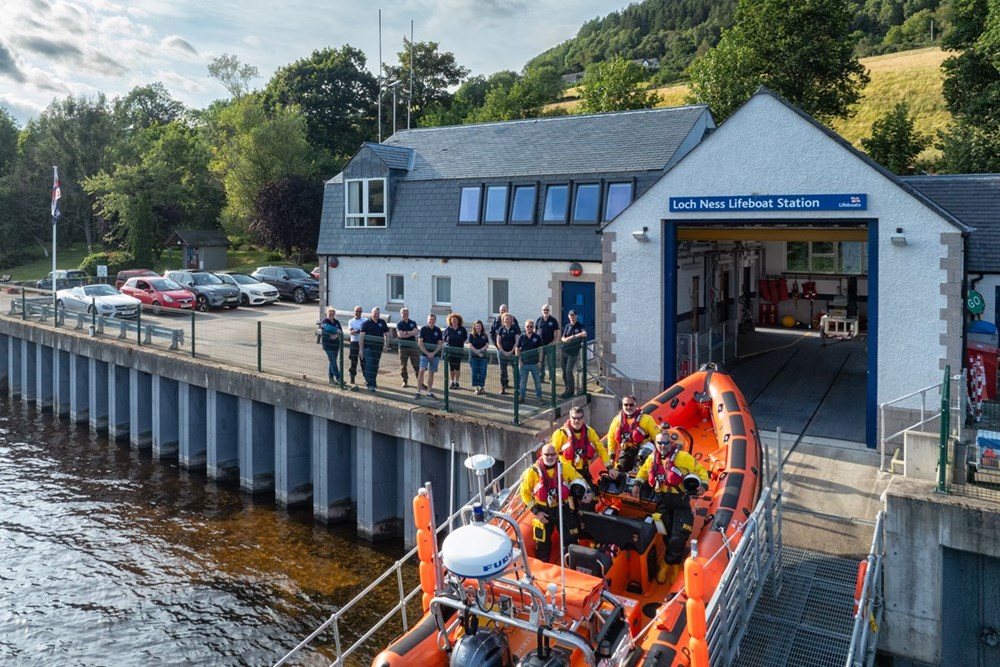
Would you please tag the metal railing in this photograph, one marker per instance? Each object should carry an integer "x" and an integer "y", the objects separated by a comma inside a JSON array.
[
  {"x": 868, "y": 607},
  {"x": 409, "y": 560},
  {"x": 718, "y": 344},
  {"x": 929, "y": 413}
]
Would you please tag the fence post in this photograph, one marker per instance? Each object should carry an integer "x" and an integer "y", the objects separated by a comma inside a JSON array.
[
  {"x": 945, "y": 429},
  {"x": 445, "y": 376},
  {"x": 138, "y": 327},
  {"x": 550, "y": 361},
  {"x": 584, "y": 349},
  {"x": 516, "y": 373},
  {"x": 24, "y": 305},
  {"x": 260, "y": 366},
  {"x": 193, "y": 337},
  {"x": 341, "y": 353}
]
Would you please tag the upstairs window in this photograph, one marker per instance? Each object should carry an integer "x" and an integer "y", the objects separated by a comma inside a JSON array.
[
  {"x": 468, "y": 209},
  {"x": 496, "y": 205},
  {"x": 585, "y": 202},
  {"x": 556, "y": 203},
  {"x": 618, "y": 198},
  {"x": 522, "y": 210},
  {"x": 365, "y": 202}
]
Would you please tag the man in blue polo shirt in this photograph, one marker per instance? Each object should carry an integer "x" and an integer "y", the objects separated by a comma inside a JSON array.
[
  {"x": 548, "y": 328},
  {"x": 430, "y": 341},
  {"x": 505, "y": 340},
  {"x": 529, "y": 359},
  {"x": 573, "y": 337}
]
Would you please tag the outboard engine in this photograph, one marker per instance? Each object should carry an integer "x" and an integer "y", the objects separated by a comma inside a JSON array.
[
  {"x": 486, "y": 648},
  {"x": 550, "y": 657},
  {"x": 644, "y": 452}
]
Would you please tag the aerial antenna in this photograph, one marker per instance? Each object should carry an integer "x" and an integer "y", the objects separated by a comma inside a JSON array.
[
  {"x": 379, "y": 76},
  {"x": 409, "y": 101}
]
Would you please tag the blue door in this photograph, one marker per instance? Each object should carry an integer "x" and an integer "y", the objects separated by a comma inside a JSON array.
[{"x": 580, "y": 297}]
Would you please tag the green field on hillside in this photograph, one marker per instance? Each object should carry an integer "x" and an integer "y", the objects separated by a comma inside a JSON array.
[{"x": 914, "y": 77}]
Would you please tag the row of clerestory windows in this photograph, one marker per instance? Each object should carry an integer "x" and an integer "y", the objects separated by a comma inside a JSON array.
[{"x": 516, "y": 204}]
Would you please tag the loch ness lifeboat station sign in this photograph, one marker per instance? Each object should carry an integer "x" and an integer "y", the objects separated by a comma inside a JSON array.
[{"x": 748, "y": 203}]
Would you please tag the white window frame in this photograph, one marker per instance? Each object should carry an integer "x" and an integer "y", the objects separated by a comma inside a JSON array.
[
  {"x": 834, "y": 257},
  {"x": 366, "y": 218},
  {"x": 389, "y": 291},
  {"x": 494, "y": 302},
  {"x": 436, "y": 282}
]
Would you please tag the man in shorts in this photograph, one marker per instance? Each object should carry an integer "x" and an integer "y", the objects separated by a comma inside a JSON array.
[{"x": 430, "y": 341}]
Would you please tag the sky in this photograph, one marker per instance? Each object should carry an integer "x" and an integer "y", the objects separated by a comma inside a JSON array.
[{"x": 50, "y": 49}]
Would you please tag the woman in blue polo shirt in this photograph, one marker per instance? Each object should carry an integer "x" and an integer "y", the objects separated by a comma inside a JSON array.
[{"x": 479, "y": 344}]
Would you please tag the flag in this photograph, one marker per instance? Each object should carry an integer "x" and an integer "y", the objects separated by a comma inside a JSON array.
[{"x": 55, "y": 195}]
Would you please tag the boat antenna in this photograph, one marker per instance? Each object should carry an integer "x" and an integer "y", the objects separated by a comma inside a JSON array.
[{"x": 562, "y": 541}]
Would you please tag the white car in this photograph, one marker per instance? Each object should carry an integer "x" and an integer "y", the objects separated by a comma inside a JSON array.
[
  {"x": 108, "y": 301},
  {"x": 252, "y": 291}
]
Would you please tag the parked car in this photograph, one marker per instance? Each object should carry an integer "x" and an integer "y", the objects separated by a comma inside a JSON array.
[
  {"x": 158, "y": 293},
  {"x": 131, "y": 273},
  {"x": 291, "y": 281},
  {"x": 208, "y": 289},
  {"x": 252, "y": 291},
  {"x": 65, "y": 278},
  {"x": 104, "y": 299},
  {"x": 315, "y": 273}
]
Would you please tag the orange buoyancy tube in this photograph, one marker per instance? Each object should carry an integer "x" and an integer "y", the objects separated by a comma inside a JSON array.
[{"x": 418, "y": 646}]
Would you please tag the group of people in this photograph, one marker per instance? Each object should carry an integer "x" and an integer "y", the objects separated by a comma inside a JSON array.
[
  {"x": 670, "y": 471},
  {"x": 421, "y": 348}
]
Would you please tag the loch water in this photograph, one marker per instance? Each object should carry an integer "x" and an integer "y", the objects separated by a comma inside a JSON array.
[{"x": 111, "y": 557}]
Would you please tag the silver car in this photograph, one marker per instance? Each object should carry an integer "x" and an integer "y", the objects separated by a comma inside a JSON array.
[
  {"x": 252, "y": 291},
  {"x": 104, "y": 299}
]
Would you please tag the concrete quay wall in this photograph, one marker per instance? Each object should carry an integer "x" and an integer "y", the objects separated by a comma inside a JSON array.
[{"x": 349, "y": 455}]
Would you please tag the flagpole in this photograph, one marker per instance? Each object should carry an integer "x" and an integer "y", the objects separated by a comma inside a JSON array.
[{"x": 55, "y": 219}]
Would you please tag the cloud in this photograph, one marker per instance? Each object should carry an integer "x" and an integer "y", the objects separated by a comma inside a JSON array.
[
  {"x": 105, "y": 65},
  {"x": 54, "y": 49},
  {"x": 178, "y": 43},
  {"x": 8, "y": 65}
]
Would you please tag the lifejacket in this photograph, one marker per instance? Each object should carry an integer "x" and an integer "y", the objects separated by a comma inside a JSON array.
[
  {"x": 545, "y": 491},
  {"x": 663, "y": 472},
  {"x": 579, "y": 450}
]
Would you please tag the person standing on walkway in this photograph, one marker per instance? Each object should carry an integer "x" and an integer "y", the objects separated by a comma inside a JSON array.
[
  {"x": 548, "y": 328},
  {"x": 628, "y": 431},
  {"x": 332, "y": 337},
  {"x": 409, "y": 353},
  {"x": 529, "y": 359},
  {"x": 505, "y": 340},
  {"x": 542, "y": 494},
  {"x": 454, "y": 338},
  {"x": 373, "y": 341},
  {"x": 673, "y": 474},
  {"x": 479, "y": 345},
  {"x": 431, "y": 341},
  {"x": 354, "y": 329},
  {"x": 573, "y": 337}
]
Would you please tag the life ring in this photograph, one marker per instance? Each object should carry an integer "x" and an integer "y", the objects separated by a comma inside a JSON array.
[{"x": 859, "y": 585}]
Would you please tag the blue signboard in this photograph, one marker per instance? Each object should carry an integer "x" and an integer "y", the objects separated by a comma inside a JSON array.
[{"x": 768, "y": 203}]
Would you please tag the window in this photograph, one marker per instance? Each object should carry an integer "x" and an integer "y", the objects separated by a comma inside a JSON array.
[
  {"x": 556, "y": 200},
  {"x": 442, "y": 290},
  {"x": 585, "y": 202},
  {"x": 847, "y": 257},
  {"x": 618, "y": 198},
  {"x": 396, "y": 291},
  {"x": 523, "y": 209},
  {"x": 468, "y": 209},
  {"x": 499, "y": 291},
  {"x": 496, "y": 205},
  {"x": 365, "y": 202}
]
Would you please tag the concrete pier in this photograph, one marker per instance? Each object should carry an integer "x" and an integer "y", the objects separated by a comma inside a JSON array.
[{"x": 351, "y": 457}]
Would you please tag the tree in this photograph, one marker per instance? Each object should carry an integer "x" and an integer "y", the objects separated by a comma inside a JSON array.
[
  {"x": 971, "y": 89},
  {"x": 253, "y": 146},
  {"x": 615, "y": 85},
  {"x": 287, "y": 215},
  {"x": 8, "y": 141},
  {"x": 336, "y": 96},
  {"x": 894, "y": 143},
  {"x": 434, "y": 73},
  {"x": 511, "y": 97},
  {"x": 801, "y": 49},
  {"x": 232, "y": 74}
]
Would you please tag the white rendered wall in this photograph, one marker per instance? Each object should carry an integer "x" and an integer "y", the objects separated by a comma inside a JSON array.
[
  {"x": 363, "y": 281},
  {"x": 767, "y": 148}
]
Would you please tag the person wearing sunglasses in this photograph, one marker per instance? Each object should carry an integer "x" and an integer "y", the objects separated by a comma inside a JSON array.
[
  {"x": 579, "y": 445},
  {"x": 541, "y": 493},
  {"x": 628, "y": 431},
  {"x": 673, "y": 475}
]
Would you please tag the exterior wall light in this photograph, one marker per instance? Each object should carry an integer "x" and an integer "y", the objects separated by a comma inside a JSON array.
[
  {"x": 640, "y": 235},
  {"x": 898, "y": 239}
]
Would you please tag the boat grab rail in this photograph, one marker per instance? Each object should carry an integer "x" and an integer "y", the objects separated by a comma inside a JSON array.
[{"x": 397, "y": 569}]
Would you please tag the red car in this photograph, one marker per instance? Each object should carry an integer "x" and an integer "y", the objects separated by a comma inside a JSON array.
[
  {"x": 315, "y": 273},
  {"x": 158, "y": 292}
]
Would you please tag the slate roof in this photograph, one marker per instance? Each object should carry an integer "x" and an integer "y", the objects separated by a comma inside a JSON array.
[
  {"x": 198, "y": 238},
  {"x": 629, "y": 141},
  {"x": 975, "y": 200},
  {"x": 427, "y": 168}
]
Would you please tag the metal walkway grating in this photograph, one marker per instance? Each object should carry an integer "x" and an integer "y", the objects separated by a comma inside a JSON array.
[{"x": 809, "y": 624}]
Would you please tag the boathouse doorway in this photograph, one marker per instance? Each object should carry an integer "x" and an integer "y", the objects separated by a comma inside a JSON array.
[{"x": 795, "y": 377}]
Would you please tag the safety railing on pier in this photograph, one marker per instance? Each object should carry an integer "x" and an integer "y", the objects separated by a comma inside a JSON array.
[
  {"x": 399, "y": 573},
  {"x": 718, "y": 345},
  {"x": 868, "y": 606}
]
